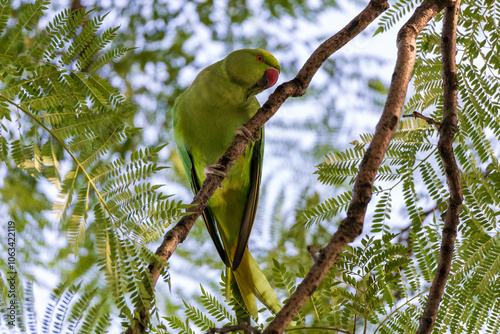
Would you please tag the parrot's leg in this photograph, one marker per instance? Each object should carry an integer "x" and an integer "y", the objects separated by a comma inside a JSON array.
[
  {"x": 216, "y": 169},
  {"x": 243, "y": 131}
]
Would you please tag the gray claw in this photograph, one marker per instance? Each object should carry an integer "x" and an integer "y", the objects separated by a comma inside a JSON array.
[
  {"x": 243, "y": 131},
  {"x": 216, "y": 169}
]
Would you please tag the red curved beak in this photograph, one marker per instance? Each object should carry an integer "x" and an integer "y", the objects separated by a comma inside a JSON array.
[{"x": 271, "y": 75}]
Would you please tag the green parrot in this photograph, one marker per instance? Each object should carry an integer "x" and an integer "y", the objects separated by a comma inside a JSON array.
[{"x": 206, "y": 117}]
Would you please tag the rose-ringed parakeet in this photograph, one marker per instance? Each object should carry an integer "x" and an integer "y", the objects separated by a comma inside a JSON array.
[{"x": 206, "y": 116}]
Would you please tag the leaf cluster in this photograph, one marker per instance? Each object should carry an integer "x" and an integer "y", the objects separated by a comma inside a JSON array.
[{"x": 61, "y": 123}]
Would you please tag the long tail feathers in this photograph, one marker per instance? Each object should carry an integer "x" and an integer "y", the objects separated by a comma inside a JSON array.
[{"x": 253, "y": 283}]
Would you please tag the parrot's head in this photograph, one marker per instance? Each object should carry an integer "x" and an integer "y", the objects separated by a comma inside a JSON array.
[{"x": 253, "y": 69}]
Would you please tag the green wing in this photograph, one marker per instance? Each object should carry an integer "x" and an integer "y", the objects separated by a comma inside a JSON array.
[
  {"x": 207, "y": 216},
  {"x": 253, "y": 199}
]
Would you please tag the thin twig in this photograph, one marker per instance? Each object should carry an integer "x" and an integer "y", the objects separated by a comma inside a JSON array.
[
  {"x": 293, "y": 88},
  {"x": 424, "y": 214},
  {"x": 234, "y": 328},
  {"x": 406, "y": 239},
  {"x": 389, "y": 316},
  {"x": 429, "y": 120},
  {"x": 445, "y": 147},
  {"x": 352, "y": 226},
  {"x": 313, "y": 251}
]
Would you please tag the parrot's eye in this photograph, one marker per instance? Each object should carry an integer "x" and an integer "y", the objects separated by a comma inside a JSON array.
[{"x": 260, "y": 58}]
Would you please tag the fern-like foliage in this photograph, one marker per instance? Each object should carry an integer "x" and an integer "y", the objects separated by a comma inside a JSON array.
[
  {"x": 324, "y": 211},
  {"x": 62, "y": 122},
  {"x": 212, "y": 313},
  {"x": 372, "y": 283},
  {"x": 365, "y": 285},
  {"x": 410, "y": 149},
  {"x": 395, "y": 13},
  {"x": 72, "y": 308}
]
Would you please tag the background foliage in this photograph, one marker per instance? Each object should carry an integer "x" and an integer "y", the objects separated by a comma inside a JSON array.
[{"x": 84, "y": 128}]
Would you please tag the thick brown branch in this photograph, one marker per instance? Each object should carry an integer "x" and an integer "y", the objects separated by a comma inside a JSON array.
[
  {"x": 295, "y": 87},
  {"x": 445, "y": 147},
  {"x": 352, "y": 226}
]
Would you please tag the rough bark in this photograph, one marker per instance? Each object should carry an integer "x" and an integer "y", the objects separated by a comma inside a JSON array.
[{"x": 447, "y": 129}]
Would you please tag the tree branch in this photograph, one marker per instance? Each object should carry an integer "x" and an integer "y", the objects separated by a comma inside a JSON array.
[
  {"x": 429, "y": 120},
  {"x": 234, "y": 328},
  {"x": 352, "y": 226},
  {"x": 445, "y": 148},
  {"x": 313, "y": 251},
  {"x": 293, "y": 88}
]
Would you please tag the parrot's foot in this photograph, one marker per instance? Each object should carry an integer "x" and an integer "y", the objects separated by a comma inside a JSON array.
[
  {"x": 216, "y": 169},
  {"x": 242, "y": 130}
]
